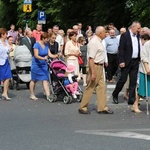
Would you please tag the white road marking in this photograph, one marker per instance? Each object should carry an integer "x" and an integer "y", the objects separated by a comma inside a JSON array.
[
  {"x": 111, "y": 86},
  {"x": 130, "y": 133}
]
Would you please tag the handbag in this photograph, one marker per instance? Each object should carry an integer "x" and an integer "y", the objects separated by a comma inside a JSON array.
[
  {"x": 11, "y": 63},
  {"x": 80, "y": 60}
]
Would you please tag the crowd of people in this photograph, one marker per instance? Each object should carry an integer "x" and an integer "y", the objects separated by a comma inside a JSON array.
[{"x": 104, "y": 53}]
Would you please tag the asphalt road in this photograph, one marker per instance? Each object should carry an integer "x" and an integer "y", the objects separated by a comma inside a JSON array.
[{"x": 40, "y": 125}]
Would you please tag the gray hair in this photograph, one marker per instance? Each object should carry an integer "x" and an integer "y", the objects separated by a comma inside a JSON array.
[
  {"x": 75, "y": 26},
  {"x": 135, "y": 22}
]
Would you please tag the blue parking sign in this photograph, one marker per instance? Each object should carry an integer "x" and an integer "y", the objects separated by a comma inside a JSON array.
[{"x": 41, "y": 17}]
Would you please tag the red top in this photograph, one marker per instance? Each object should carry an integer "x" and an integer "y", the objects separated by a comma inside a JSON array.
[{"x": 37, "y": 34}]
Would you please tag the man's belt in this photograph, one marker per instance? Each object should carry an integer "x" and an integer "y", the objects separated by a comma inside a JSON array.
[{"x": 99, "y": 64}]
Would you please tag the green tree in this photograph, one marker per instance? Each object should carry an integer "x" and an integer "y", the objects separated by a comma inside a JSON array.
[
  {"x": 140, "y": 11},
  {"x": 66, "y": 13},
  {"x": 7, "y": 14}
]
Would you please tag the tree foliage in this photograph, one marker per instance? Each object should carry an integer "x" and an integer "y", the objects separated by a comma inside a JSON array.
[
  {"x": 66, "y": 13},
  {"x": 140, "y": 10}
]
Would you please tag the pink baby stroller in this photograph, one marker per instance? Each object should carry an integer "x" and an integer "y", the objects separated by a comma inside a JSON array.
[{"x": 57, "y": 76}]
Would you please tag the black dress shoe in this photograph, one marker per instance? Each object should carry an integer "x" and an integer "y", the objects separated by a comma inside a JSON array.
[
  {"x": 115, "y": 99},
  {"x": 106, "y": 112},
  {"x": 131, "y": 103},
  {"x": 83, "y": 112}
]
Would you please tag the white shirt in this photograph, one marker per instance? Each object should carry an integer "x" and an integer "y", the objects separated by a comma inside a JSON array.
[
  {"x": 60, "y": 41},
  {"x": 134, "y": 45},
  {"x": 95, "y": 50},
  {"x": 118, "y": 37},
  {"x": 70, "y": 75},
  {"x": 104, "y": 44}
]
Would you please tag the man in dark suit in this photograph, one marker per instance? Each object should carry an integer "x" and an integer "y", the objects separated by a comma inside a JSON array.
[
  {"x": 129, "y": 57},
  {"x": 80, "y": 31},
  {"x": 28, "y": 40}
]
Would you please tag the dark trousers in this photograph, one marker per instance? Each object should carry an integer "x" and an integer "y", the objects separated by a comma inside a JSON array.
[
  {"x": 112, "y": 65},
  {"x": 83, "y": 69},
  {"x": 132, "y": 70}
]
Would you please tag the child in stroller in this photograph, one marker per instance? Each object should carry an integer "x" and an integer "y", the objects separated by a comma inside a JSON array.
[
  {"x": 70, "y": 83},
  {"x": 58, "y": 83}
]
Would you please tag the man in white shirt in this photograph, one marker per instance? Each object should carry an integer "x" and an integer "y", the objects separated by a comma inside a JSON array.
[
  {"x": 122, "y": 30},
  {"x": 76, "y": 29},
  {"x": 59, "y": 38}
]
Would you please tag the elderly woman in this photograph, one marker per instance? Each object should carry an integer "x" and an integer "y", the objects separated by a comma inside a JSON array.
[
  {"x": 144, "y": 72},
  {"x": 72, "y": 51},
  {"x": 5, "y": 72},
  {"x": 39, "y": 67},
  {"x": 89, "y": 34}
]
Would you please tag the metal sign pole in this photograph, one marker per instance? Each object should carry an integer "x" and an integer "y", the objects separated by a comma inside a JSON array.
[
  {"x": 27, "y": 7},
  {"x": 26, "y": 25}
]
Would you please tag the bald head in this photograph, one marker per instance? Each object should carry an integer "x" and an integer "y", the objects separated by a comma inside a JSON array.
[
  {"x": 99, "y": 29},
  {"x": 29, "y": 33},
  {"x": 122, "y": 30},
  {"x": 26, "y": 30},
  {"x": 112, "y": 32},
  {"x": 75, "y": 28},
  {"x": 100, "y": 32}
]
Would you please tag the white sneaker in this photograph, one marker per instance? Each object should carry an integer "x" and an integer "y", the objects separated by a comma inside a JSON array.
[
  {"x": 84, "y": 84},
  {"x": 77, "y": 93},
  {"x": 74, "y": 96},
  {"x": 78, "y": 79}
]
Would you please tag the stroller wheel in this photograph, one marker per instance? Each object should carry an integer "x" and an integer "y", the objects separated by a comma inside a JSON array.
[
  {"x": 70, "y": 99},
  {"x": 66, "y": 100},
  {"x": 79, "y": 97},
  {"x": 54, "y": 98},
  {"x": 17, "y": 87},
  {"x": 50, "y": 98}
]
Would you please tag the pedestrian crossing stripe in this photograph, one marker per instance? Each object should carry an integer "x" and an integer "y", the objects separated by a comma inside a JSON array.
[
  {"x": 111, "y": 86},
  {"x": 122, "y": 134}
]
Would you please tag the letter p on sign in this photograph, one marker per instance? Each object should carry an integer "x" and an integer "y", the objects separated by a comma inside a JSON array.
[
  {"x": 42, "y": 14},
  {"x": 41, "y": 17}
]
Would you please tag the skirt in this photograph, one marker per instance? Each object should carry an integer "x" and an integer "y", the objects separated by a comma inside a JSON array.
[
  {"x": 39, "y": 72},
  {"x": 142, "y": 85},
  {"x": 5, "y": 71}
]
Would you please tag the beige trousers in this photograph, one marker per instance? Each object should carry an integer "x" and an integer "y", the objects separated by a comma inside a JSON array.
[{"x": 99, "y": 85}]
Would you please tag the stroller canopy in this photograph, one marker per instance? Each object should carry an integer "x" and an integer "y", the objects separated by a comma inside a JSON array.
[
  {"x": 22, "y": 56},
  {"x": 58, "y": 67}
]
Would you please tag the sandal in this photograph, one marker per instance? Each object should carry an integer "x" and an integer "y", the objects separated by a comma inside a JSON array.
[
  {"x": 136, "y": 110},
  {"x": 33, "y": 97}
]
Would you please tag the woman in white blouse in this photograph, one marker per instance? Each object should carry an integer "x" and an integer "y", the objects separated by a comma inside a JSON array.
[
  {"x": 5, "y": 72},
  {"x": 72, "y": 51},
  {"x": 144, "y": 69}
]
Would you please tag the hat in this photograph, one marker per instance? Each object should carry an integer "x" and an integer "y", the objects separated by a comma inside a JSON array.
[{"x": 70, "y": 68}]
